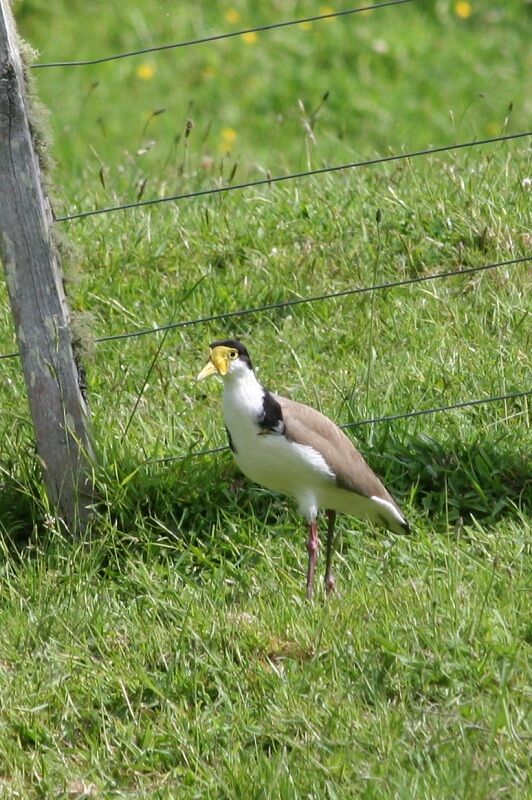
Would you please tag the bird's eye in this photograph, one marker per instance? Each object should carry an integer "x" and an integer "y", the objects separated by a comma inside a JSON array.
[{"x": 233, "y": 354}]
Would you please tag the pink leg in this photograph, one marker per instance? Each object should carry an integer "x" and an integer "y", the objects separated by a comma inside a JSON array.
[
  {"x": 312, "y": 547},
  {"x": 330, "y": 583}
]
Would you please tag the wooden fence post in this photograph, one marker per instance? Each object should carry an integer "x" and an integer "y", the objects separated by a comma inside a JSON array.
[{"x": 37, "y": 297}]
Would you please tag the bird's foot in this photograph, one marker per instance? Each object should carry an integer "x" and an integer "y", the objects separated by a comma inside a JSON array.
[{"x": 330, "y": 586}]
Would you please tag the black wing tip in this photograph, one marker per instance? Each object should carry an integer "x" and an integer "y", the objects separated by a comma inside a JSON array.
[{"x": 400, "y": 527}]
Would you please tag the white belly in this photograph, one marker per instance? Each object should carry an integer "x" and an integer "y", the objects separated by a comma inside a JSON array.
[{"x": 280, "y": 465}]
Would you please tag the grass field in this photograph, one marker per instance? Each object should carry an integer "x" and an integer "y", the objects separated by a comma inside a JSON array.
[{"x": 174, "y": 656}]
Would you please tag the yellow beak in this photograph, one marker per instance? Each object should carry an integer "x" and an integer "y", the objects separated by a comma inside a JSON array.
[
  {"x": 208, "y": 369},
  {"x": 217, "y": 363}
]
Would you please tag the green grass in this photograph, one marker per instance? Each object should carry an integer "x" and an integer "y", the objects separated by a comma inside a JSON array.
[{"x": 174, "y": 655}]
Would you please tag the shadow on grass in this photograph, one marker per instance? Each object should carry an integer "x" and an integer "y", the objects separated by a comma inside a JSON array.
[
  {"x": 20, "y": 509},
  {"x": 481, "y": 478},
  {"x": 484, "y": 478},
  {"x": 188, "y": 502},
  {"x": 445, "y": 481}
]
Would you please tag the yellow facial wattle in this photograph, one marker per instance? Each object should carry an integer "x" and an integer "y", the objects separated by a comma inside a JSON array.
[{"x": 218, "y": 362}]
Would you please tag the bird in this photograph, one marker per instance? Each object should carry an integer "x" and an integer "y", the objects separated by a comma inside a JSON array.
[{"x": 290, "y": 448}]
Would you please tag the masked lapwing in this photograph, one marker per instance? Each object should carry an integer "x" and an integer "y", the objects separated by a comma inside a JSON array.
[{"x": 293, "y": 449}]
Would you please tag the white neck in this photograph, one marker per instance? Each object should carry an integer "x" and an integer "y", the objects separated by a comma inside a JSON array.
[{"x": 242, "y": 393}]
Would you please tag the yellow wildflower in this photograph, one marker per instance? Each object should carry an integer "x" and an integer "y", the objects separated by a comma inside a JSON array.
[
  {"x": 250, "y": 37},
  {"x": 306, "y": 26},
  {"x": 493, "y": 128},
  {"x": 208, "y": 72},
  {"x": 232, "y": 16},
  {"x": 146, "y": 72},
  {"x": 463, "y": 9},
  {"x": 229, "y": 135}
]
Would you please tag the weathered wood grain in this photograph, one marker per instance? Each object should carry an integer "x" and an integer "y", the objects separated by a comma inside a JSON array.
[{"x": 37, "y": 297}]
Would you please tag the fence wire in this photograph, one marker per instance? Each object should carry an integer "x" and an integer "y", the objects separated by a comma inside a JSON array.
[
  {"x": 315, "y": 299},
  {"x": 373, "y": 421},
  {"x": 243, "y": 312},
  {"x": 295, "y": 175},
  {"x": 218, "y": 37}
]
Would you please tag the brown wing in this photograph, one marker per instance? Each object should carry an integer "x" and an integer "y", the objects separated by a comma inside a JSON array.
[{"x": 307, "y": 426}]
